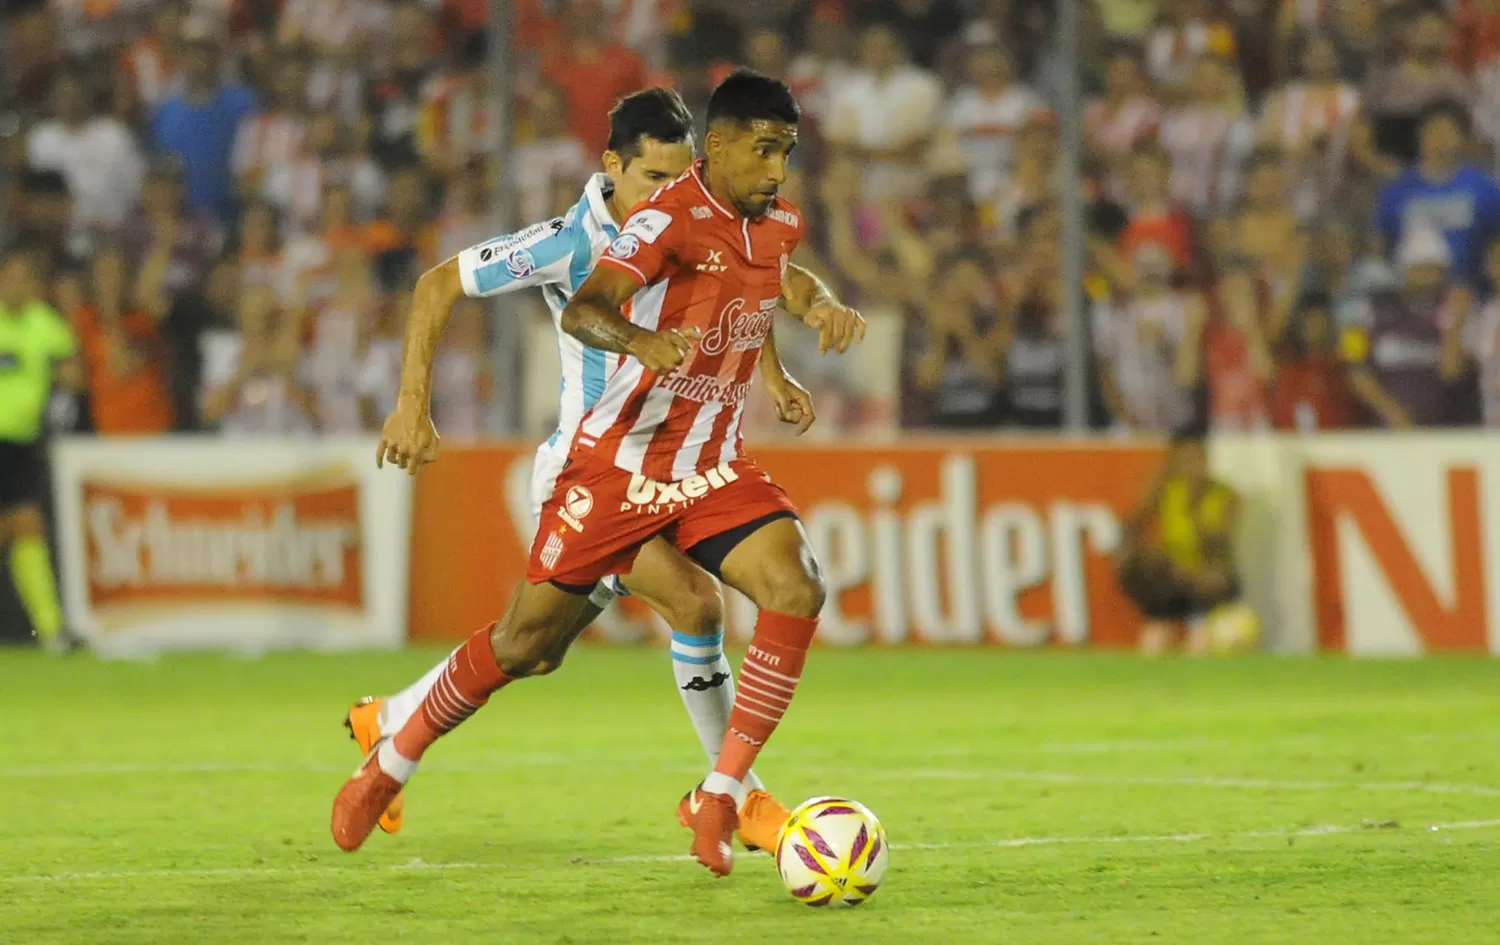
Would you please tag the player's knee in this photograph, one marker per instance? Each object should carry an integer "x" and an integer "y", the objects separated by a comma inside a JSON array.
[
  {"x": 525, "y": 647},
  {"x": 794, "y": 588},
  {"x": 698, "y": 611}
]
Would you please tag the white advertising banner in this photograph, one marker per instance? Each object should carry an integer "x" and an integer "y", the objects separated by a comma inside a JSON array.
[{"x": 189, "y": 543}]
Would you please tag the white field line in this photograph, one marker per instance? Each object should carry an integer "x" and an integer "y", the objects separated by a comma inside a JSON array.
[
  {"x": 929, "y": 774},
  {"x": 1001, "y": 844}
]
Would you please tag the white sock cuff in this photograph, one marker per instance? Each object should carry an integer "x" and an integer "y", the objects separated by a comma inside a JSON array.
[
  {"x": 393, "y": 763},
  {"x": 717, "y": 783}
]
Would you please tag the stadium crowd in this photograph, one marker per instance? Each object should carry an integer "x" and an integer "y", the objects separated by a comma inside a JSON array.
[{"x": 1292, "y": 213}]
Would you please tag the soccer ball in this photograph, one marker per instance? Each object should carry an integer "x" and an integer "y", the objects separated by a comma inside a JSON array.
[
  {"x": 832, "y": 852},
  {"x": 1233, "y": 629}
]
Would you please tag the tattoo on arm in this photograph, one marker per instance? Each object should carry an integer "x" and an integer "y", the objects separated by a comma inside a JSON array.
[{"x": 597, "y": 322}]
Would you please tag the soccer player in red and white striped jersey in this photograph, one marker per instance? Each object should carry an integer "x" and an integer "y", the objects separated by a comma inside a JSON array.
[{"x": 686, "y": 292}]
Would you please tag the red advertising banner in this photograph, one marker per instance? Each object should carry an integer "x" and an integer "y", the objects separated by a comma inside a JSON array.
[{"x": 927, "y": 541}]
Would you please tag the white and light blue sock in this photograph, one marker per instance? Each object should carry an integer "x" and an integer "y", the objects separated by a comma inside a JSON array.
[{"x": 705, "y": 681}]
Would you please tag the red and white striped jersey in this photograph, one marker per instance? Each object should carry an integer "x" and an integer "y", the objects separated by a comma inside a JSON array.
[{"x": 701, "y": 265}]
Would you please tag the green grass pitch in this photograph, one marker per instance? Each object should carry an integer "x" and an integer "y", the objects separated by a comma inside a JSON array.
[{"x": 1051, "y": 798}]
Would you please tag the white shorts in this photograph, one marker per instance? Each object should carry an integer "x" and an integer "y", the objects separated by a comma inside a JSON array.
[{"x": 544, "y": 472}]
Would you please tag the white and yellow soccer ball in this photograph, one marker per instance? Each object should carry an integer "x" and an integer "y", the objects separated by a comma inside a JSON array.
[
  {"x": 1233, "y": 629},
  {"x": 832, "y": 852}
]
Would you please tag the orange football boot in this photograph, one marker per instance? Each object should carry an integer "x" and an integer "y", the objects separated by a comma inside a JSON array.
[
  {"x": 761, "y": 820},
  {"x": 363, "y": 723},
  {"x": 360, "y": 803},
  {"x": 713, "y": 820}
]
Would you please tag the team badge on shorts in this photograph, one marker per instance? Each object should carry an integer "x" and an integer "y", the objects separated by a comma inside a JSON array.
[
  {"x": 576, "y": 506},
  {"x": 551, "y": 551},
  {"x": 625, "y": 246},
  {"x": 520, "y": 263}
]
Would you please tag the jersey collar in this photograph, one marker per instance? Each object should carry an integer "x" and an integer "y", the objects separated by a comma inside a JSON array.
[
  {"x": 697, "y": 172},
  {"x": 596, "y": 194}
]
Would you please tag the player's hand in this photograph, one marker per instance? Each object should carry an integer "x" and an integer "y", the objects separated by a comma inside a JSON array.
[
  {"x": 408, "y": 439},
  {"x": 793, "y": 403},
  {"x": 663, "y": 352},
  {"x": 838, "y": 326}
]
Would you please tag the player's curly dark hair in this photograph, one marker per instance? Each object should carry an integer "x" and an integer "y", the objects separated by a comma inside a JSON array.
[
  {"x": 656, "y": 113},
  {"x": 747, "y": 96}
]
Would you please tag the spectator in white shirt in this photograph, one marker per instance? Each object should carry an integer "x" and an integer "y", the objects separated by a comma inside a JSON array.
[
  {"x": 986, "y": 116},
  {"x": 884, "y": 114},
  {"x": 96, "y": 154}
]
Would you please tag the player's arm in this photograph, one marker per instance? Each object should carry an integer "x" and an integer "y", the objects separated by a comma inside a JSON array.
[
  {"x": 594, "y": 316},
  {"x": 793, "y": 401},
  {"x": 807, "y": 298}
]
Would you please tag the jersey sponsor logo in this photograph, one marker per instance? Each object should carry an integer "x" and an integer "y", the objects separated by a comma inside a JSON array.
[
  {"x": 625, "y": 246},
  {"x": 784, "y": 216},
  {"x": 520, "y": 263},
  {"x": 737, "y": 329},
  {"x": 576, "y": 506},
  {"x": 702, "y": 213},
  {"x": 651, "y": 497},
  {"x": 703, "y": 388},
  {"x": 648, "y": 224},
  {"x": 551, "y": 551},
  {"x": 715, "y": 262},
  {"x": 699, "y": 684},
  {"x": 497, "y": 249}
]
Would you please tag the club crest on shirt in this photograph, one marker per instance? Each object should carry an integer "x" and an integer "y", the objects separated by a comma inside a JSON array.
[
  {"x": 625, "y": 246},
  {"x": 520, "y": 263},
  {"x": 576, "y": 506}
]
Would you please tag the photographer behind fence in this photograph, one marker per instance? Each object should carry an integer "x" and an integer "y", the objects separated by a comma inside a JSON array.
[{"x": 1177, "y": 563}]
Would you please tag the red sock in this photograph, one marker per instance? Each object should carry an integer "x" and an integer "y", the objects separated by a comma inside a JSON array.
[
  {"x": 768, "y": 679},
  {"x": 464, "y": 686}
]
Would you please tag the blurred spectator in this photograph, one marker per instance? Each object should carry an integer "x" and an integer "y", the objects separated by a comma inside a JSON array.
[
  {"x": 467, "y": 219},
  {"x": 45, "y": 222},
  {"x": 410, "y": 79},
  {"x": 822, "y": 64},
  {"x": 123, "y": 351},
  {"x": 1404, "y": 362},
  {"x": 552, "y": 155},
  {"x": 1035, "y": 361},
  {"x": 250, "y": 376},
  {"x": 1225, "y": 349},
  {"x": 461, "y": 122},
  {"x": 339, "y": 330},
  {"x": 258, "y": 249},
  {"x": 273, "y": 137},
  {"x": 1154, "y": 220},
  {"x": 1145, "y": 371},
  {"x": 404, "y": 236},
  {"x": 1034, "y": 180},
  {"x": 593, "y": 72},
  {"x": 1187, "y": 32},
  {"x": 883, "y": 115},
  {"x": 1266, "y": 230},
  {"x": 1119, "y": 122},
  {"x": 463, "y": 381},
  {"x": 199, "y": 124},
  {"x": 1476, "y": 34},
  {"x": 1444, "y": 194},
  {"x": 957, "y": 358},
  {"x": 1360, "y": 27},
  {"x": 986, "y": 115},
  {"x": 926, "y": 27},
  {"x": 331, "y": 26},
  {"x": 96, "y": 154},
  {"x": 1398, "y": 96},
  {"x": 298, "y": 187},
  {"x": 1482, "y": 340},
  {"x": 1315, "y": 120},
  {"x": 1177, "y": 563},
  {"x": 164, "y": 223},
  {"x": 148, "y": 66},
  {"x": 1311, "y": 390},
  {"x": 1208, "y": 138}
]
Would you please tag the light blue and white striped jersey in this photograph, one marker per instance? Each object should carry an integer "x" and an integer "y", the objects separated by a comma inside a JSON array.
[{"x": 556, "y": 256}]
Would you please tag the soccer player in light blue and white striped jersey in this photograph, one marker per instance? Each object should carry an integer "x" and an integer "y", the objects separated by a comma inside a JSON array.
[{"x": 650, "y": 145}]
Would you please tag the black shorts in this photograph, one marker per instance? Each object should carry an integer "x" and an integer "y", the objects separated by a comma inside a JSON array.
[{"x": 22, "y": 474}]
